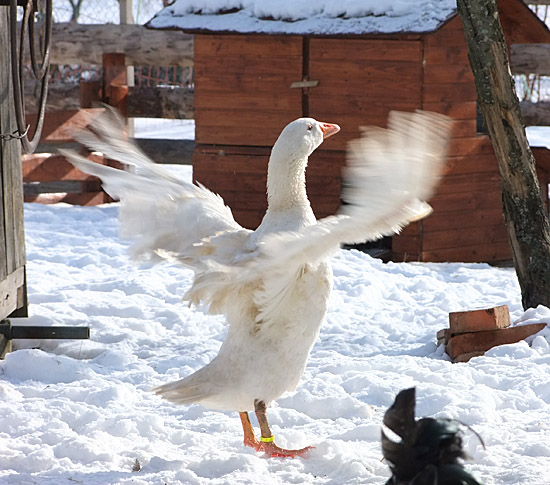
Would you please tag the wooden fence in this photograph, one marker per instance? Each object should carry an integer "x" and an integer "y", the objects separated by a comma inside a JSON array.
[
  {"x": 48, "y": 178},
  {"x": 116, "y": 46}
]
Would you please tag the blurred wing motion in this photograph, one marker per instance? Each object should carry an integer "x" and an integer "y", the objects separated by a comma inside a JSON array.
[
  {"x": 389, "y": 173},
  {"x": 430, "y": 450},
  {"x": 158, "y": 211}
]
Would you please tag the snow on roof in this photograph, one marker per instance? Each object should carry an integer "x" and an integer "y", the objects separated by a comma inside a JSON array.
[{"x": 323, "y": 17}]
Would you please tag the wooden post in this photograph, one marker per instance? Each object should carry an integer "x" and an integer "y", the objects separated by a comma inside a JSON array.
[
  {"x": 90, "y": 92},
  {"x": 12, "y": 236},
  {"x": 524, "y": 210},
  {"x": 114, "y": 72},
  {"x": 115, "y": 89},
  {"x": 127, "y": 17},
  {"x": 119, "y": 99}
]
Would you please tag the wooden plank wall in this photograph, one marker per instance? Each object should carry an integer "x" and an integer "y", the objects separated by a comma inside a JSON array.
[
  {"x": 242, "y": 88},
  {"x": 239, "y": 175},
  {"x": 354, "y": 88},
  {"x": 467, "y": 222},
  {"x": 243, "y": 100},
  {"x": 12, "y": 235}
]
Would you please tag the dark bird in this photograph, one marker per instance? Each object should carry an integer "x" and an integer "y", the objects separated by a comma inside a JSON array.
[{"x": 430, "y": 451}]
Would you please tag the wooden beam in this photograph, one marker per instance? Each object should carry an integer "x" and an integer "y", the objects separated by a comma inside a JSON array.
[
  {"x": 530, "y": 58},
  {"x": 171, "y": 102},
  {"x": 8, "y": 291},
  {"x": 536, "y": 114},
  {"x": 32, "y": 189},
  {"x": 60, "y": 126},
  {"x": 85, "y": 44},
  {"x": 161, "y": 102},
  {"x": 179, "y": 152},
  {"x": 114, "y": 72},
  {"x": 12, "y": 236}
]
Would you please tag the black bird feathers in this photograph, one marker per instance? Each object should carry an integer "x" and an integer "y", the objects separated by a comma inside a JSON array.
[{"x": 430, "y": 449}]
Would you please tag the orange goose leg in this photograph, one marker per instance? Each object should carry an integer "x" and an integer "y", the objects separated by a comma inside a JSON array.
[
  {"x": 249, "y": 437},
  {"x": 266, "y": 443}
]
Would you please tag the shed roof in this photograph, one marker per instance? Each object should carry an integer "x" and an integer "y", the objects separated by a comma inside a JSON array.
[{"x": 306, "y": 17}]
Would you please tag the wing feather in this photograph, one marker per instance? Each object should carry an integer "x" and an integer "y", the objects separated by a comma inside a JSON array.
[
  {"x": 390, "y": 172},
  {"x": 159, "y": 212}
]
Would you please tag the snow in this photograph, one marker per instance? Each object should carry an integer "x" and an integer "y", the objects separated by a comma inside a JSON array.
[
  {"x": 324, "y": 17},
  {"x": 538, "y": 136},
  {"x": 81, "y": 411},
  {"x": 158, "y": 128}
]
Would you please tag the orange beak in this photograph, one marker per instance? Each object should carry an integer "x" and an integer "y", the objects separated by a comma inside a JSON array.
[{"x": 328, "y": 129}]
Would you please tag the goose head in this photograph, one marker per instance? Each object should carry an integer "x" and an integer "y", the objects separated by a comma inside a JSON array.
[
  {"x": 289, "y": 156},
  {"x": 300, "y": 138}
]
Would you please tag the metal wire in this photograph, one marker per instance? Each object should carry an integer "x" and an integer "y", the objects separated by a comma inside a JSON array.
[
  {"x": 15, "y": 135},
  {"x": 17, "y": 68}
]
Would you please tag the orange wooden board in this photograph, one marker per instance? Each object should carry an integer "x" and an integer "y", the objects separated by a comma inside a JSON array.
[
  {"x": 452, "y": 183},
  {"x": 239, "y": 127},
  {"x": 445, "y": 92},
  {"x": 238, "y": 45},
  {"x": 437, "y": 55},
  {"x": 85, "y": 198},
  {"x": 462, "y": 110},
  {"x": 448, "y": 73},
  {"x": 462, "y": 219},
  {"x": 472, "y": 147},
  {"x": 366, "y": 50},
  {"x": 60, "y": 126},
  {"x": 454, "y": 238},
  {"x": 470, "y": 254},
  {"x": 485, "y": 340},
  {"x": 466, "y": 201},
  {"x": 248, "y": 100}
]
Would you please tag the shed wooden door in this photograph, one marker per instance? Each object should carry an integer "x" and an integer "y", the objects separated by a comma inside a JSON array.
[
  {"x": 242, "y": 88},
  {"x": 243, "y": 99},
  {"x": 12, "y": 237},
  {"x": 361, "y": 81}
]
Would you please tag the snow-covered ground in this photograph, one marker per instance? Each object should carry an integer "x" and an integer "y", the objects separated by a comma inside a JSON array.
[
  {"x": 80, "y": 412},
  {"x": 157, "y": 128}
]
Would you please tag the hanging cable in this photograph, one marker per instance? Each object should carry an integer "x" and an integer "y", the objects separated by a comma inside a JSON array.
[{"x": 17, "y": 67}]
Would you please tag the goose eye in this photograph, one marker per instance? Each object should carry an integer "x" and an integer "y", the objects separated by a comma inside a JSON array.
[{"x": 309, "y": 127}]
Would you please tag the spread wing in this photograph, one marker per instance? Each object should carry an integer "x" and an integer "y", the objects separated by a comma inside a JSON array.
[
  {"x": 390, "y": 172},
  {"x": 164, "y": 215}
]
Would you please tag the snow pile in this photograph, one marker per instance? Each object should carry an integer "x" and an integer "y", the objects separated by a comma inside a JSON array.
[
  {"x": 538, "y": 136},
  {"x": 81, "y": 411},
  {"x": 306, "y": 17},
  {"x": 164, "y": 129}
]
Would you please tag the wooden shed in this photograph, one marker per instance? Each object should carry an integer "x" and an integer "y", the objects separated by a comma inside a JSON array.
[{"x": 256, "y": 70}]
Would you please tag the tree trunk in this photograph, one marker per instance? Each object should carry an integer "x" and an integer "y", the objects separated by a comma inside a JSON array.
[{"x": 524, "y": 210}]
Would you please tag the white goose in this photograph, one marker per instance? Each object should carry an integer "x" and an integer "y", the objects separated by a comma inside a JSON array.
[{"x": 272, "y": 284}]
